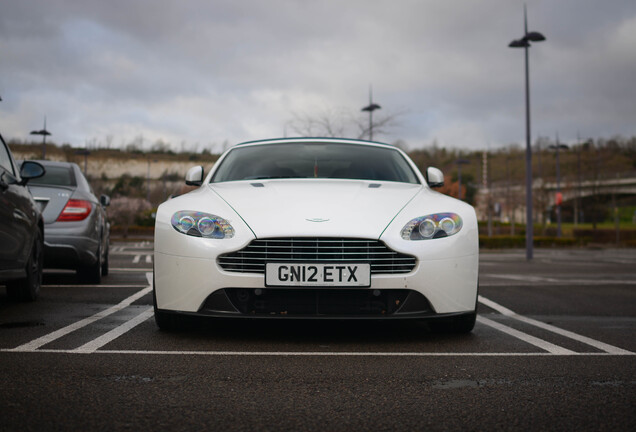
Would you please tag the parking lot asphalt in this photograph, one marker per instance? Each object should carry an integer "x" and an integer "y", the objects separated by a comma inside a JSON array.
[{"x": 553, "y": 349}]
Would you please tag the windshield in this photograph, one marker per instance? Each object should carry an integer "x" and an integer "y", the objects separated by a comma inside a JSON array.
[{"x": 314, "y": 160}]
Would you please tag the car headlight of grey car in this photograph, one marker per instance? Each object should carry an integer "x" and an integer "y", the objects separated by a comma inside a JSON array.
[
  {"x": 432, "y": 226},
  {"x": 199, "y": 224}
]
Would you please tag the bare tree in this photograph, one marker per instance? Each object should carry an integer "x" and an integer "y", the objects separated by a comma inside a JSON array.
[
  {"x": 381, "y": 125},
  {"x": 340, "y": 123}
]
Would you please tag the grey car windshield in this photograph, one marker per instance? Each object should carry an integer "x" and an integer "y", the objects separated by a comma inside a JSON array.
[{"x": 315, "y": 160}]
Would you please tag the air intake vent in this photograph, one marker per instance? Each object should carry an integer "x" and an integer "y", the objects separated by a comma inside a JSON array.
[{"x": 253, "y": 257}]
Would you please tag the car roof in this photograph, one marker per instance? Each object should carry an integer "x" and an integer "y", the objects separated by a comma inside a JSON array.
[{"x": 316, "y": 140}]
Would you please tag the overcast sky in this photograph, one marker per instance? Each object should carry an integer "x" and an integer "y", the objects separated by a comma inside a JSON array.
[{"x": 204, "y": 72}]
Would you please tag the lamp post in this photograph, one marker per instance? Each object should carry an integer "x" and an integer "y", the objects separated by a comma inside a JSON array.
[
  {"x": 558, "y": 197},
  {"x": 148, "y": 183},
  {"x": 524, "y": 42},
  {"x": 84, "y": 152},
  {"x": 459, "y": 163},
  {"x": 148, "y": 179},
  {"x": 44, "y": 133},
  {"x": 370, "y": 108}
]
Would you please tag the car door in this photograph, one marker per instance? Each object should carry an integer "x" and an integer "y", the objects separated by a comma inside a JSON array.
[{"x": 16, "y": 227}]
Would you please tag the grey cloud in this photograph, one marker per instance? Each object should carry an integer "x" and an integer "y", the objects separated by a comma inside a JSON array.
[{"x": 207, "y": 71}]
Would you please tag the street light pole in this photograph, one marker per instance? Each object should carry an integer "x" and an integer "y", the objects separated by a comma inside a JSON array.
[
  {"x": 524, "y": 42},
  {"x": 84, "y": 152},
  {"x": 558, "y": 198},
  {"x": 44, "y": 133},
  {"x": 459, "y": 163},
  {"x": 371, "y": 107}
]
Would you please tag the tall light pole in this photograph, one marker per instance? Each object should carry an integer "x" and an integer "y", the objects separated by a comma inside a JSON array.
[
  {"x": 85, "y": 153},
  {"x": 558, "y": 197},
  {"x": 44, "y": 133},
  {"x": 371, "y": 107},
  {"x": 459, "y": 163},
  {"x": 524, "y": 42}
]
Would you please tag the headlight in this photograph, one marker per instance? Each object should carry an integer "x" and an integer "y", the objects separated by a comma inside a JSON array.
[
  {"x": 432, "y": 226},
  {"x": 200, "y": 224}
]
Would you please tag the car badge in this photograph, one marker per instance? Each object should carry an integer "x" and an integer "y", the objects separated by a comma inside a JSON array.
[{"x": 317, "y": 220}]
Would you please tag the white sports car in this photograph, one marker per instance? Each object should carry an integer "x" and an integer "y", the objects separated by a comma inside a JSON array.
[{"x": 316, "y": 228}]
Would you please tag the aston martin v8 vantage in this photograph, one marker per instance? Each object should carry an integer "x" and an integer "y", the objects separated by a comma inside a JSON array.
[{"x": 313, "y": 228}]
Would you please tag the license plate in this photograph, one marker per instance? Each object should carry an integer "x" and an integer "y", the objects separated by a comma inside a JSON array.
[{"x": 324, "y": 275}]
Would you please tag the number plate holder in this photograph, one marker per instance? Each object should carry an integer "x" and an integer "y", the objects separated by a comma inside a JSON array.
[{"x": 317, "y": 275}]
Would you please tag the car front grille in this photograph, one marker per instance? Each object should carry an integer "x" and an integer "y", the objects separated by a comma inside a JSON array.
[{"x": 253, "y": 257}]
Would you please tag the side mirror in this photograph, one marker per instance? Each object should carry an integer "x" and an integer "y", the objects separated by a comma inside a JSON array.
[
  {"x": 104, "y": 200},
  {"x": 31, "y": 170},
  {"x": 194, "y": 176},
  {"x": 434, "y": 177}
]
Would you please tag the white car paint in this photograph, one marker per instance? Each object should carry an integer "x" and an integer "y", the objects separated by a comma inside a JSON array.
[{"x": 186, "y": 269}]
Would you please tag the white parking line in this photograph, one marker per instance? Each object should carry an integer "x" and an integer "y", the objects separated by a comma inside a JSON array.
[
  {"x": 544, "y": 345},
  {"x": 523, "y": 278},
  {"x": 324, "y": 353},
  {"x": 610, "y": 349},
  {"x": 133, "y": 252},
  {"x": 130, "y": 269},
  {"x": 94, "y": 345},
  {"x": 99, "y": 342},
  {"x": 563, "y": 282},
  {"x": 94, "y": 286},
  {"x": 48, "y": 338}
]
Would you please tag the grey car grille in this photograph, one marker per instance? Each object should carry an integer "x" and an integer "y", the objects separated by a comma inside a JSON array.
[{"x": 253, "y": 257}]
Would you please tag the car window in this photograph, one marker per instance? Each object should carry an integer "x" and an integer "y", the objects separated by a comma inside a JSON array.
[
  {"x": 5, "y": 159},
  {"x": 56, "y": 176},
  {"x": 315, "y": 160}
]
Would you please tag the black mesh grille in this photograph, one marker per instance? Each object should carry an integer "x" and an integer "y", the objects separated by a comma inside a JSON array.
[
  {"x": 314, "y": 303},
  {"x": 253, "y": 257}
]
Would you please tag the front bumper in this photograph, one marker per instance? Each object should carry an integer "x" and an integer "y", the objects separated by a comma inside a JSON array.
[{"x": 198, "y": 285}]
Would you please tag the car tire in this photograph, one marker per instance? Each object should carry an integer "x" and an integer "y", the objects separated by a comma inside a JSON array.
[
  {"x": 105, "y": 263},
  {"x": 93, "y": 273},
  {"x": 28, "y": 288}
]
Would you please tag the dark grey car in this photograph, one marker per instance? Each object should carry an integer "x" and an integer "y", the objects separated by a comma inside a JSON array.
[
  {"x": 76, "y": 227},
  {"x": 21, "y": 228}
]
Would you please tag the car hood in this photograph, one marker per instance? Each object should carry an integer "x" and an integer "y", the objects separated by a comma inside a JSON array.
[{"x": 311, "y": 207}]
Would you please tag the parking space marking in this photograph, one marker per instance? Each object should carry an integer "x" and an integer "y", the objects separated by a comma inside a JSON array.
[
  {"x": 130, "y": 269},
  {"x": 94, "y": 286},
  {"x": 524, "y": 278},
  {"x": 610, "y": 349},
  {"x": 48, "y": 338},
  {"x": 563, "y": 282},
  {"x": 325, "y": 353},
  {"x": 99, "y": 342},
  {"x": 94, "y": 345},
  {"x": 137, "y": 259},
  {"x": 540, "y": 343}
]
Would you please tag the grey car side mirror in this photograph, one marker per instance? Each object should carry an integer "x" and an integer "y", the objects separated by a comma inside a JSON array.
[
  {"x": 434, "y": 177},
  {"x": 194, "y": 176},
  {"x": 104, "y": 200}
]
